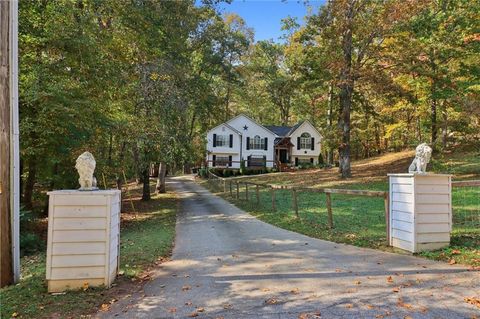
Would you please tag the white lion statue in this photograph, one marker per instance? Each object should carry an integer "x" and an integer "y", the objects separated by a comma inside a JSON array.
[
  {"x": 85, "y": 167},
  {"x": 423, "y": 152}
]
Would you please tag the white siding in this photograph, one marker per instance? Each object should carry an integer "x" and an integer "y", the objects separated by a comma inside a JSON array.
[
  {"x": 420, "y": 211},
  {"x": 254, "y": 129},
  {"x": 82, "y": 238},
  {"x": 226, "y": 150},
  {"x": 306, "y": 127}
]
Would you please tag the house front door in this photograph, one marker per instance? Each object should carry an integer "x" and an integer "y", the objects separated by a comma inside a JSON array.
[{"x": 283, "y": 156}]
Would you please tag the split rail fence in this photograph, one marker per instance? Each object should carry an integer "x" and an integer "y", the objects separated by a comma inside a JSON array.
[{"x": 340, "y": 211}]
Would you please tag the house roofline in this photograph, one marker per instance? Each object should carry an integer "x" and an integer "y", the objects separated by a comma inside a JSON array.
[
  {"x": 227, "y": 125},
  {"x": 248, "y": 117},
  {"x": 296, "y": 127}
]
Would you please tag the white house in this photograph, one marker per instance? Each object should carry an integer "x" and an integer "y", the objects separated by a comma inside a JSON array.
[{"x": 242, "y": 138}]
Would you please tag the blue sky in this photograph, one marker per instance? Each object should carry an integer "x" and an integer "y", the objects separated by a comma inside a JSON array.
[{"x": 264, "y": 16}]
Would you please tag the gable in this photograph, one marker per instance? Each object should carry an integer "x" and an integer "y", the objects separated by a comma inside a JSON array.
[
  {"x": 306, "y": 126},
  {"x": 223, "y": 127},
  {"x": 239, "y": 122}
]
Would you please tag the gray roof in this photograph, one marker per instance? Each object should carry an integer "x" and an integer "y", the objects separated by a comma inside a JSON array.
[
  {"x": 283, "y": 130},
  {"x": 279, "y": 130}
]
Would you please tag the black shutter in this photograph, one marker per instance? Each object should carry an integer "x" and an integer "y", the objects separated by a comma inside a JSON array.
[
  {"x": 248, "y": 143},
  {"x": 266, "y": 144},
  {"x": 313, "y": 143},
  {"x": 265, "y": 158},
  {"x": 311, "y": 159},
  {"x": 296, "y": 161},
  {"x": 231, "y": 140},
  {"x": 230, "y": 159},
  {"x": 214, "y": 140},
  {"x": 298, "y": 144},
  {"x": 248, "y": 160},
  {"x": 214, "y": 157}
]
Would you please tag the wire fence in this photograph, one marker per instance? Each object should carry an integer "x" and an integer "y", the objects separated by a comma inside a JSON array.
[
  {"x": 466, "y": 208},
  {"x": 350, "y": 216}
]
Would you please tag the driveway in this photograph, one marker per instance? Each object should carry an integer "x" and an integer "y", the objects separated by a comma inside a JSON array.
[{"x": 227, "y": 264}]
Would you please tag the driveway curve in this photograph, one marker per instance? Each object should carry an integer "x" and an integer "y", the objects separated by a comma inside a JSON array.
[{"x": 228, "y": 264}]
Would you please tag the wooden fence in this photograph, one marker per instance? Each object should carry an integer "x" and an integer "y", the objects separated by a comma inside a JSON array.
[{"x": 232, "y": 187}]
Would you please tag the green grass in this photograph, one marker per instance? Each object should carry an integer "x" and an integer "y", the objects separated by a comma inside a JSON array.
[
  {"x": 360, "y": 221},
  {"x": 145, "y": 237}
]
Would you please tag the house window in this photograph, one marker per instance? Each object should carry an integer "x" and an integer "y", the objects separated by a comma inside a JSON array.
[
  {"x": 305, "y": 141},
  {"x": 257, "y": 143},
  {"x": 222, "y": 140}
]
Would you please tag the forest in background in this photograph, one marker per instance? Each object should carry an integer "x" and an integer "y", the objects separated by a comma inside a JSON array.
[{"x": 136, "y": 82}]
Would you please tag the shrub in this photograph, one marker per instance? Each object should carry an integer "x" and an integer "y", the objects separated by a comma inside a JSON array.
[
  {"x": 30, "y": 243},
  {"x": 203, "y": 172}
]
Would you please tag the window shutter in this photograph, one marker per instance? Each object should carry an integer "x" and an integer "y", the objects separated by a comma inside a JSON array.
[
  {"x": 214, "y": 140},
  {"x": 311, "y": 159},
  {"x": 313, "y": 143},
  {"x": 231, "y": 140},
  {"x": 298, "y": 145},
  {"x": 266, "y": 144},
  {"x": 214, "y": 157},
  {"x": 248, "y": 160},
  {"x": 230, "y": 159},
  {"x": 265, "y": 158},
  {"x": 296, "y": 161},
  {"x": 248, "y": 143}
]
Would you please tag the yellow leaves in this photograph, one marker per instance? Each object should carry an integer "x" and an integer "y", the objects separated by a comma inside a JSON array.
[
  {"x": 15, "y": 315},
  {"x": 105, "y": 307},
  {"x": 401, "y": 303},
  {"x": 85, "y": 286}
]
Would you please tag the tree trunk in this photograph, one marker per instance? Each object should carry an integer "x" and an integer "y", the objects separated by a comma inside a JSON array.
[
  {"x": 346, "y": 90},
  {"x": 444, "y": 126},
  {"x": 160, "y": 187},
  {"x": 30, "y": 183},
  {"x": 433, "y": 118},
  {"x": 329, "y": 124},
  {"x": 146, "y": 184}
]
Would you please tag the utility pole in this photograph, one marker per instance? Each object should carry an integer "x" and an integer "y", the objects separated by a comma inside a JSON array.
[{"x": 9, "y": 145}]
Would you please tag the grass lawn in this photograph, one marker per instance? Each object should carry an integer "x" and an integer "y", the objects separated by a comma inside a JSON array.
[
  {"x": 360, "y": 221},
  {"x": 146, "y": 237}
]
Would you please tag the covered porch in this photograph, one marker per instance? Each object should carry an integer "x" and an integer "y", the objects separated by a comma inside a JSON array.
[{"x": 283, "y": 150}]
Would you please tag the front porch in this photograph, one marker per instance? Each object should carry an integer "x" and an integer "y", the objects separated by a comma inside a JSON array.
[{"x": 283, "y": 150}]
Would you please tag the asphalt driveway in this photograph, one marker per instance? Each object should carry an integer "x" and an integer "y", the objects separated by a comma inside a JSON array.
[{"x": 227, "y": 264}]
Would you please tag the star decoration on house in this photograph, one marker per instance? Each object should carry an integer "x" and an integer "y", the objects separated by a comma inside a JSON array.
[{"x": 245, "y": 128}]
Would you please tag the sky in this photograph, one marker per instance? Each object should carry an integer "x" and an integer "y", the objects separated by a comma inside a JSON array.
[{"x": 265, "y": 16}]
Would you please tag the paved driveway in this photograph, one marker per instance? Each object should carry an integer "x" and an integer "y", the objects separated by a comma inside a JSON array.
[{"x": 227, "y": 264}]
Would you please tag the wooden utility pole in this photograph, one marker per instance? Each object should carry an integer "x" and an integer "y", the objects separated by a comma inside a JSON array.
[{"x": 9, "y": 178}]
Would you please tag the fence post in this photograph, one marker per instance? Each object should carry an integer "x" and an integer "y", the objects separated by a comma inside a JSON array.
[
  {"x": 329, "y": 211},
  {"x": 238, "y": 190},
  {"x": 231, "y": 193},
  {"x": 258, "y": 194},
  {"x": 273, "y": 199},
  {"x": 387, "y": 215},
  {"x": 246, "y": 191},
  {"x": 294, "y": 201},
  {"x": 224, "y": 186}
]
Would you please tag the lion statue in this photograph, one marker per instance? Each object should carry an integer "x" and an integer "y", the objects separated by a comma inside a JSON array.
[
  {"x": 85, "y": 166},
  {"x": 423, "y": 152}
]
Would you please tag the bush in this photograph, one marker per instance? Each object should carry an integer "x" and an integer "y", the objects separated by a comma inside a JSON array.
[
  {"x": 30, "y": 243},
  {"x": 203, "y": 172}
]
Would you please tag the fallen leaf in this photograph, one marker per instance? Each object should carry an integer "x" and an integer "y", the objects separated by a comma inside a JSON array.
[
  {"x": 193, "y": 314},
  {"x": 172, "y": 310},
  {"x": 295, "y": 291},
  {"x": 265, "y": 289},
  {"x": 389, "y": 279},
  {"x": 271, "y": 301},
  {"x": 104, "y": 307},
  {"x": 187, "y": 287},
  {"x": 348, "y": 305},
  {"x": 370, "y": 306},
  {"x": 379, "y": 316},
  {"x": 402, "y": 304},
  {"x": 408, "y": 317},
  {"x": 188, "y": 303},
  {"x": 227, "y": 306},
  {"x": 15, "y": 314},
  {"x": 200, "y": 309},
  {"x": 358, "y": 282},
  {"x": 452, "y": 261},
  {"x": 473, "y": 301},
  {"x": 85, "y": 285},
  {"x": 396, "y": 289},
  {"x": 455, "y": 252}
]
